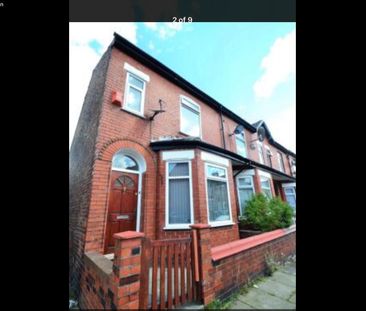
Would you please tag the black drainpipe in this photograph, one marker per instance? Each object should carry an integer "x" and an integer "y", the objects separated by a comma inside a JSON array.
[{"x": 222, "y": 128}]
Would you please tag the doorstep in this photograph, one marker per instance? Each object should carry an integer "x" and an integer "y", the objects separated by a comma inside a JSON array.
[{"x": 109, "y": 256}]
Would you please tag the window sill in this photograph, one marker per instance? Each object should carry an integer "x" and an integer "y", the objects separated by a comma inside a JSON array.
[
  {"x": 214, "y": 225},
  {"x": 187, "y": 135},
  {"x": 134, "y": 113},
  {"x": 181, "y": 227}
]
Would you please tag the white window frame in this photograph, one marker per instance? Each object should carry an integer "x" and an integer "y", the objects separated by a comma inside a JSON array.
[
  {"x": 269, "y": 182},
  {"x": 269, "y": 152},
  {"x": 242, "y": 138},
  {"x": 243, "y": 175},
  {"x": 186, "y": 101},
  {"x": 167, "y": 178},
  {"x": 260, "y": 153},
  {"x": 127, "y": 88},
  {"x": 281, "y": 163},
  {"x": 226, "y": 179}
]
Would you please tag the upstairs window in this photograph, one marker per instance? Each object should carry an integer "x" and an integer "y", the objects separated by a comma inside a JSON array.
[
  {"x": 135, "y": 94},
  {"x": 280, "y": 162},
  {"x": 260, "y": 153},
  {"x": 190, "y": 117},
  {"x": 241, "y": 146},
  {"x": 269, "y": 156}
]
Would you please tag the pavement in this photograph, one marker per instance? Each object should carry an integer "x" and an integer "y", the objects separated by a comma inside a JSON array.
[{"x": 275, "y": 292}]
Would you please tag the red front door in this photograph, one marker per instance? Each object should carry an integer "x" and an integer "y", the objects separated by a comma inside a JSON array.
[{"x": 122, "y": 207}]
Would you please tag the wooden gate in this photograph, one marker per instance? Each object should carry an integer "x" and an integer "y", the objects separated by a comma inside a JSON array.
[{"x": 169, "y": 274}]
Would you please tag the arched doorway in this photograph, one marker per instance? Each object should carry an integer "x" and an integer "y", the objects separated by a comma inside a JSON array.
[{"x": 124, "y": 203}]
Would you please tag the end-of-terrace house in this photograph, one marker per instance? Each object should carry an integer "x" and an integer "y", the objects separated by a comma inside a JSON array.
[{"x": 153, "y": 155}]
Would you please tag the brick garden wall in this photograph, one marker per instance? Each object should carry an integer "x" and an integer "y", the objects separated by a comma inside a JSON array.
[{"x": 230, "y": 273}]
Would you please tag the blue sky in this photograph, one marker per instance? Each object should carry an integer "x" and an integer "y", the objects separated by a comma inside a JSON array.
[{"x": 248, "y": 67}]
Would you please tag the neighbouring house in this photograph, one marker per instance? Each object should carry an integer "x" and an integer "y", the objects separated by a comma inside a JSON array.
[{"x": 151, "y": 156}]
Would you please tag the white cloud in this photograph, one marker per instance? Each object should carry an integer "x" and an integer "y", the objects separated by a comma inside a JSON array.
[
  {"x": 165, "y": 30},
  {"x": 152, "y": 26},
  {"x": 279, "y": 64},
  {"x": 151, "y": 45},
  {"x": 283, "y": 127},
  {"x": 84, "y": 58}
]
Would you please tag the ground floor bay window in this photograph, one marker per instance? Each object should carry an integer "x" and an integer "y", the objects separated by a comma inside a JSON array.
[
  {"x": 218, "y": 200},
  {"x": 266, "y": 187},
  {"x": 245, "y": 191},
  {"x": 179, "y": 209}
]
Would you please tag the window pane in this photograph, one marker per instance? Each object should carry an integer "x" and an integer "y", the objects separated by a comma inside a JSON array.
[
  {"x": 134, "y": 99},
  {"x": 190, "y": 123},
  {"x": 117, "y": 161},
  {"x": 179, "y": 201},
  {"x": 130, "y": 164},
  {"x": 245, "y": 181},
  {"x": 178, "y": 169},
  {"x": 136, "y": 82},
  {"x": 240, "y": 146},
  {"x": 218, "y": 203},
  {"x": 291, "y": 200},
  {"x": 245, "y": 195},
  {"x": 265, "y": 183},
  {"x": 215, "y": 172},
  {"x": 289, "y": 190},
  {"x": 267, "y": 193}
]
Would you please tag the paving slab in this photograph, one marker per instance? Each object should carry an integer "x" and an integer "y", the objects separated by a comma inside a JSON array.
[
  {"x": 277, "y": 289},
  {"x": 239, "y": 305},
  {"x": 260, "y": 299},
  {"x": 284, "y": 278},
  {"x": 293, "y": 298},
  {"x": 289, "y": 268}
]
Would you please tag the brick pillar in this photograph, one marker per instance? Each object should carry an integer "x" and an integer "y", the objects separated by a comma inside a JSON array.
[
  {"x": 257, "y": 182},
  {"x": 127, "y": 269},
  {"x": 204, "y": 261}
]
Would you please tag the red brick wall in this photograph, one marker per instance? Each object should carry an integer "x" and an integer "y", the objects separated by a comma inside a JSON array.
[{"x": 230, "y": 273}]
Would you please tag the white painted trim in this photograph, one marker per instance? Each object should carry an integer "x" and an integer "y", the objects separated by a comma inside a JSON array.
[
  {"x": 260, "y": 152},
  {"x": 178, "y": 155},
  {"x": 238, "y": 187},
  {"x": 281, "y": 164},
  {"x": 242, "y": 139},
  {"x": 264, "y": 174},
  {"x": 247, "y": 173},
  {"x": 213, "y": 158},
  {"x": 192, "y": 105},
  {"x": 218, "y": 223},
  {"x": 143, "y": 91},
  {"x": 137, "y": 72},
  {"x": 167, "y": 178},
  {"x": 289, "y": 185},
  {"x": 136, "y": 156}
]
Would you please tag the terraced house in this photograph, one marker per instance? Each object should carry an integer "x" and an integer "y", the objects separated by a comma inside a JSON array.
[{"x": 151, "y": 157}]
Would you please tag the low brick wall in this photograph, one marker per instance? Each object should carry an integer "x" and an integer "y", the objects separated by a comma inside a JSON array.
[
  {"x": 225, "y": 268},
  {"x": 230, "y": 273},
  {"x": 113, "y": 285},
  {"x": 96, "y": 290}
]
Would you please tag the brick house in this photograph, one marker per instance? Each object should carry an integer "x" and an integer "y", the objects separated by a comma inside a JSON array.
[{"x": 154, "y": 154}]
